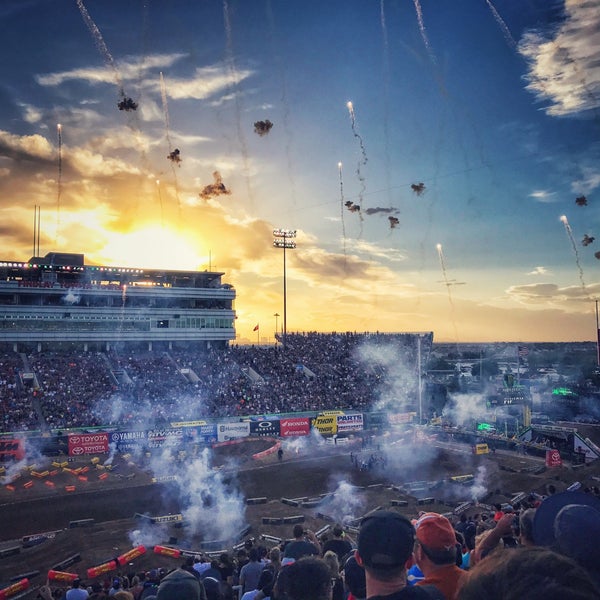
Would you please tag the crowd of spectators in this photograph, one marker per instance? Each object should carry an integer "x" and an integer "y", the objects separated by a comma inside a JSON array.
[
  {"x": 312, "y": 372},
  {"x": 542, "y": 548}
]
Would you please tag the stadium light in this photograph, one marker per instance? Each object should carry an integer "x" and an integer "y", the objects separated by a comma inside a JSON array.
[{"x": 283, "y": 238}]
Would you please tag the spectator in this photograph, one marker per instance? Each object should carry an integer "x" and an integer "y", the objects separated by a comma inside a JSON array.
[
  {"x": 339, "y": 544},
  {"x": 532, "y": 573},
  {"x": 263, "y": 587},
  {"x": 305, "y": 543},
  {"x": 180, "y": 585},
  {"x": 150, "y": 586},
  {"x": 331, "y": 559},
  {"x": 309, "y": 579},
  {"x": 490, "y": 541},
  {"x": 354, "y": 579},
  {"x": 526, "y": 527},
  {"x": 76, "y": 592},
  {"x": 385, "y": 550},
  {"x": 436, "y": 552},
  {"x": 569, "y": 523},
  {"x": 213, "y": 588},
  {"x": 250, "y": 572}
]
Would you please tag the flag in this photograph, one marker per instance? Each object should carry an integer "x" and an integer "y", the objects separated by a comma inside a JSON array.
[
  {"x": 522, "y": 350},
  {"x": 255, "y": 328}
]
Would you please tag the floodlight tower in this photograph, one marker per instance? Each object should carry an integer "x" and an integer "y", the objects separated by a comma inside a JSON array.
[{"x": 283, "y": 238}]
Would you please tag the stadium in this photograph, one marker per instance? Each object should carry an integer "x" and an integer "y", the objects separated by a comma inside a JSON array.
[{"x": 136, "y": 434}]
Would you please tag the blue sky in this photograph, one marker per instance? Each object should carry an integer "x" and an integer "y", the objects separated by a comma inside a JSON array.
[{"x": 493, "y": 106}]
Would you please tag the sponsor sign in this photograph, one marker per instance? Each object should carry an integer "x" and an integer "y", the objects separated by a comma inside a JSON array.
[
  {"x": 205, "y": 433},
  {"x": 553, "y": 458},
  {"x": 401, "y": 418},
  {"x": 11, "y": 449},
  {"x": 264, "y": 428},
  {"x": 178, "y": 518},
  {"x": 189, "y": 424},
  {"x": 294, "y": 426},
  {"x": 350, "y": 423},
  {"x": 164, "y": 437},
  {"x": 232, "y": 431},
  {"x": 325, "y": 424},
  {"x": 128, "y": 441},
  {"x": 87, "y": 443},
  {"x": 481, "y": 449}
]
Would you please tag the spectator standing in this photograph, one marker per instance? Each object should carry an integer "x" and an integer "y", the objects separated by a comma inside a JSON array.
[
  {"x": 339, "y": 544},
  {"x": 331, "y": 559},
  {"x": 309, "y": 579},
  {"x": 354, "y": 579},
  {"x": 436, "y": 553},
  {"x": 532, "y": 573},
  {"x": 76, "y": 592},
  {"x": 250, "y": 572},
  {"x": 385, "y": 550},
  {"x": 180, "y": 585},
  {"x": 305, "y": 543}
]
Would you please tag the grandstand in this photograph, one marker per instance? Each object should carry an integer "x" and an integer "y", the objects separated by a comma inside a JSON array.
[
  {"x": 58, "y": 301},
  {"x": 99, "y": 346}
]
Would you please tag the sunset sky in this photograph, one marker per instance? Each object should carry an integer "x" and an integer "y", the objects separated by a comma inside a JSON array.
[{"x": 471, "y": 145}]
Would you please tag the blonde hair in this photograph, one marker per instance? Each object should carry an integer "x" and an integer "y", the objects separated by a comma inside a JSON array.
[{"x": 331, "y": 558}]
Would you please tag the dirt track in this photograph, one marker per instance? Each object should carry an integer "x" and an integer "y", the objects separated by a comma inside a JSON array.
[{"x": 112, "y": 502}]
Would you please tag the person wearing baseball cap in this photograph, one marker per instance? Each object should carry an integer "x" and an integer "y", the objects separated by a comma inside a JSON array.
[
  {"x": 385, "y": 550},
  {"x": 436, "y": 554}
]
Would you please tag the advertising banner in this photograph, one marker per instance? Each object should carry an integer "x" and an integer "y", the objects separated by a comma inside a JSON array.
[
  {"x": 325, "y": 424},
  {"x": 11, "y": 449},
  {"x": 294, "y": 426},
  {"x": 164, "y": 437},
  {"x": 553, "y": 458},
  {"x": 349, "y": 423},
  {"x": 206, "y": 434},
  {"x": 87, "y": 443},
  {"x": 264, "y": 428},
  {"x": 401, "y": 418},
  {"x": 232, "y": 431},
  {"x": 481, "y": 449},
  {"x": 128, "y": 441}
]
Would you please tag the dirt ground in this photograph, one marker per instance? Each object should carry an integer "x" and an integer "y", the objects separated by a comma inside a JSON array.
[{"x": 93, "y": 522}]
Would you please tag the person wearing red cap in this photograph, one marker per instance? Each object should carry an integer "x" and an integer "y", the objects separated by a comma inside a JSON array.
[{"x": 436, "y": 554}]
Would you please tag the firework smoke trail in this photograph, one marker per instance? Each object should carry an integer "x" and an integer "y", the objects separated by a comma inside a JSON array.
[
  {"x": 160, "y": 201},
  {"x": 419, "y": 12},
  {"x": 163, "y": 95},
  {"x": 238, "y": 108},
  {"x": 362, "y": 161},
  {"x": 575, "y": 252},
  {"x": 59, "y": 190},
  {"x": 505, "y": 30},
  {"x": 447, "y": 284},
  {"x": 342, "y": 209},
  {"x": 99, "y": 41},
  {"x": 277, "y": 54},
  {"x": 386, "y": 99}
]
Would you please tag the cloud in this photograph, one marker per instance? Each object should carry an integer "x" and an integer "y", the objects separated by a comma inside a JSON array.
[
  {"x": 539, "y": 271},
  {"x": 543, "y": 196},
  {"x": 550, "y": 293},
  {"x": 564, "y": 65},
  {"x": 129, "y": 68},
  {"x": 27, "y": 147},
  {"x": 205, "y": 83},
  {"x": 376, "y": 251}
]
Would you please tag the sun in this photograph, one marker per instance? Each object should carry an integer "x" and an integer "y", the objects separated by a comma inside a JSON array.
[{"x": 153, "y": 247}]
